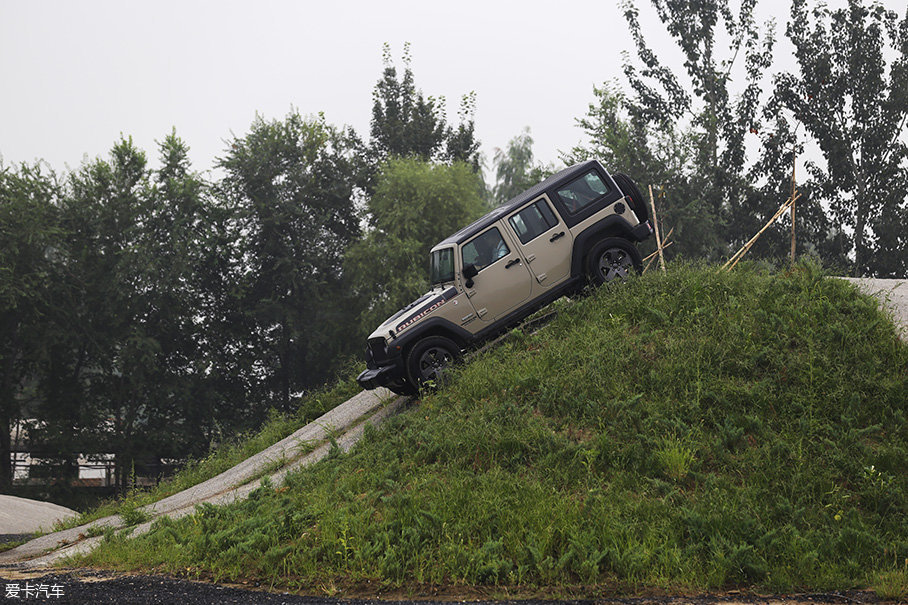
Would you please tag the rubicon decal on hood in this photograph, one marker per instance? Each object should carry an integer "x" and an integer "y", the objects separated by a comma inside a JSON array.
[{"x": 431, "y": 306}]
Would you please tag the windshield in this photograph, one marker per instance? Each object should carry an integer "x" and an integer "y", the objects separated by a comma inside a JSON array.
[{"x": 441, "y": 266}]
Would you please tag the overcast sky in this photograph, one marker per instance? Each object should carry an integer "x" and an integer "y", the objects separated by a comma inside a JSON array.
[{"x": 75, "y": 75}]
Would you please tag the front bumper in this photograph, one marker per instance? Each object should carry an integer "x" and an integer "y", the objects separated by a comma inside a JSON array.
[{"x": 379, "y": 377}]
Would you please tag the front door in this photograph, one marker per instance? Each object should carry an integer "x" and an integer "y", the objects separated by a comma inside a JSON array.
[{"x": 503, "y": 281}]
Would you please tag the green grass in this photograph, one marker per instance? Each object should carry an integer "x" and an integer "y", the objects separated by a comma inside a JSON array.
[
  {"x": 689, "y": 431},
  {"x": 278, "y": 426}
]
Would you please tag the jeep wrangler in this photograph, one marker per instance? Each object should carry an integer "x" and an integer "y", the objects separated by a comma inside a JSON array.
[{"x": 579, "y": 226}]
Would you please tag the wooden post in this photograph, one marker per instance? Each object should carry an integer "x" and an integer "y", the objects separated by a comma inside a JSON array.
[
  {"x": 794, "y": 157},
  {"x": 652, "y": 204}
]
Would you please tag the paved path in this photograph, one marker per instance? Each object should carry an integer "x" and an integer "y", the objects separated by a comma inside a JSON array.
[
  {"x": 893, "y": 294},
  {"x": 24, "y": 516}
]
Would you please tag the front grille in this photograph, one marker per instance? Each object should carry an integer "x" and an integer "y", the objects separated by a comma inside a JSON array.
[{"x": 376, "y": 352}]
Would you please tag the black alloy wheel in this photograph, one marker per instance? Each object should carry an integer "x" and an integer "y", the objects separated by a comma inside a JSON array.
[
  {"x": 428, "y": 359},
  {"x": 613, "y": 259}
]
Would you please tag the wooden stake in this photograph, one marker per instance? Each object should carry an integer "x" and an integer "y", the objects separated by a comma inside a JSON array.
[
  {"x": 794, "y": 157},
  {"x": 652, "y": 204},
  {"x": 652, "y": 256},
  {"x": 740, "y": 253}
]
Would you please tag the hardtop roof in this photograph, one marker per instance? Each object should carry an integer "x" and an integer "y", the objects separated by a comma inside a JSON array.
[{"x": 517, "y": 201}]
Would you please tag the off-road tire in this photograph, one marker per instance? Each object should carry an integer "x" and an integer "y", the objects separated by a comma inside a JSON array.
[
  {"x": 612, "y": 260},
  {"x": 629, "y": 188},
  {"x": 428, "y": 358},
  {"x": 401, "y": 387}
]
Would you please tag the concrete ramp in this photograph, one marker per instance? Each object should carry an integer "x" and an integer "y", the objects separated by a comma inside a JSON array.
[
  {"x": 892, "y": 294},
  {"x": 346, "y": 423},
  {"x": 23, "y": 516}
]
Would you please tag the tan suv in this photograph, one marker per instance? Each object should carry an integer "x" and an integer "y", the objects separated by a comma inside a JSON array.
[{"x": 578, "y": 226}]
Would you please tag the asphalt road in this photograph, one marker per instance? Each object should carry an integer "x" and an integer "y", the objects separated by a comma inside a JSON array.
[{"x": 101, "y": 588}]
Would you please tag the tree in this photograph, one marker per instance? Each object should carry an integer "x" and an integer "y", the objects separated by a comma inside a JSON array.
[
  {"x": 102, "y": 368},
  {"x": 854, "y": 107},
  {"x": 416, "y": 204},
  {"x": 651, "y": 155},
  {"x": 714, "y": 122},
  {"x": 122, "y": 345},
  {"x": 407, "y": 123},
  {"x": 515, "y": 168},
  {"x": 292, "y": 185},
  {"x": 175, "y": 284},
  {"x": 29, "y": 226}
]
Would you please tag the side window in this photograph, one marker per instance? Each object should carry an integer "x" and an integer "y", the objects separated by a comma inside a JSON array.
[
  {"x": 484, "y": 250},
  {"x": 533, "y": 221},
  {"x": 583, "y": 191}
]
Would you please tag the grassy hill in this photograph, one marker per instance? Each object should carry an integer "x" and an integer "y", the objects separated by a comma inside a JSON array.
[{"x": 683, "y": 432}]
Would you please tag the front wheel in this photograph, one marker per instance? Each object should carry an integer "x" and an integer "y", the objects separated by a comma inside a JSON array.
[
  {"x": 428, "y": 359},
  {"x": 401, "y": 387},
  {"x": 613, "y": 259}
]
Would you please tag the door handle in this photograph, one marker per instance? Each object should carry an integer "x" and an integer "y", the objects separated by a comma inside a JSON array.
[
  {"x": 556, "y": 236},
  {"x": 516, "y": 261}
]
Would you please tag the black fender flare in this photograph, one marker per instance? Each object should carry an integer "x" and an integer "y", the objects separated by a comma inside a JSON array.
[
  {"x": 613, "y": 225},
  {"x": 434, "y": 326}
]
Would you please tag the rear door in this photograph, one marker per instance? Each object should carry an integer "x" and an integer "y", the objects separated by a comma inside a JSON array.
[{"x": 545, "y": 240}]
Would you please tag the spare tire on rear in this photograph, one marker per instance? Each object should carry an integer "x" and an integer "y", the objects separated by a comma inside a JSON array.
[{"x": 628, "y": 188}]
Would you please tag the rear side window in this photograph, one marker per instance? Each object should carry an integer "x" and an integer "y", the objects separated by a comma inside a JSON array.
[
  {"x": 484, "y": 250},
  {"x": 583, "y": 191},
  {"x": 533, "y": 221}
]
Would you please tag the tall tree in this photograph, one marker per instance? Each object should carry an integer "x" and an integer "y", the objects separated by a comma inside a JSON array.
[
  {"x": 292, "y": 183},
  {"x": 516, "y": 169},
  {"x": 174, "y": 286},
  {"x": 851, "y": 95},
  {"x": 651, "y": 155},
  {"x": 29, "y": 229},
  {"x": 97, "y": 389},
  {"x": 405, "y": 122}
]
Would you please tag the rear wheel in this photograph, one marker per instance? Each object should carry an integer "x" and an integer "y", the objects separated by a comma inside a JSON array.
[
  {"x": 428, "y": 359},
  {"x": 613, "y": 259}
]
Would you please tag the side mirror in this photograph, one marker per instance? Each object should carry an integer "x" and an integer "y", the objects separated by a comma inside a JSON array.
[{"x": 469, "y": 272}]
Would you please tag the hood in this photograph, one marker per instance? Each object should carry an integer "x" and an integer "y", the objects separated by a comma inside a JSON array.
[{"x": 423, "y": 305}]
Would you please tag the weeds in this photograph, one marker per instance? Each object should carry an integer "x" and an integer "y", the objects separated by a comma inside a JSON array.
[{"x": 892, "y": 585}]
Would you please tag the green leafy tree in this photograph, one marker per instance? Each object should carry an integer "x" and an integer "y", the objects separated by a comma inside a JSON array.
[
  {"x": 176, "y": 240},
  {"x": 850, "y": 93},
  {"x": 29, "y": 228},
  {"x": 416, "y": 204},
  {"x": 714, "y": 121},
  {"x": 123, "y": 346},
  {"x": 653, "y": 156},
  {"x": 291, "y": 183},
  {"x": 405, "y": 122},
  {"x": 461, "y": 144},
  {"x": 515, "y": 168},
  {"x": 100, "y": 360}
]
